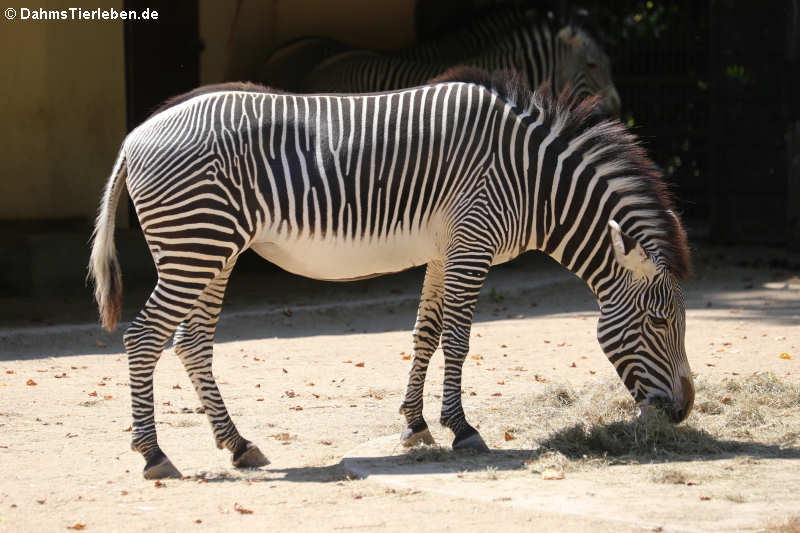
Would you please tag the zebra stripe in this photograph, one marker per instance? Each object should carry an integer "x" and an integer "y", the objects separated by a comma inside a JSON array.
[
  {"x": 455, "y": 175},
  {"x": 566, "y": 58}
]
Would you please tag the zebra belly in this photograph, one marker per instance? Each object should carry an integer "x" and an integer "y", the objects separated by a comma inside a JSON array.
[{"x": 340, "y": 260}]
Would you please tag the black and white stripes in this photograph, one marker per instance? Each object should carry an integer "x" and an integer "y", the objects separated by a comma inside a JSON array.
[
  {"x": 564, "y": 58},
  {"x": 458, "y": 175}
]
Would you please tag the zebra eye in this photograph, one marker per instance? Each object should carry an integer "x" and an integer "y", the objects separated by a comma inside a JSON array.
[{"x": 659, "y": 322}]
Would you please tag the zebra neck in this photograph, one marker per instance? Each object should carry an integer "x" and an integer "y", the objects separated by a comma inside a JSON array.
[{"x": 571, "y": 208}]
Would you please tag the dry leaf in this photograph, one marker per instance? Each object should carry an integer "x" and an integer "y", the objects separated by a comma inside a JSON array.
[
  {"x": 159, "y": 484},
  {"x": 406, "y": 357},
  {"x": 705, "y": 498},
  {"x": 128, "y": 429},
  {"x": 550, "y": 474},
  {"x": 31, "y": 383},
  {"x": 9, "y": 371},
  {"x": 285, "y": 371},
  {"x": 361, "y": 364},
  {"x": 785, "y": 355},
  {"x": 174, "y": 387},
  {"x": 40, "y": 502},
  {"x": 242, "y": 510},
  {"x": 497, "y": 394},
  {"x": 501, "y": 382},
  {"x": 326, "y": 442},
  {"x": 473, "y": 393},
  {"x": 296, "y": 408},
  {"x": 107, "y": 397},
  {"x": 77, "y": 526},
  {"x": 508, "y": 436},
  {"x": 573, "y": 365},
  {"x": 476, "y": 356},
  {"x": 93, "y": 393}
]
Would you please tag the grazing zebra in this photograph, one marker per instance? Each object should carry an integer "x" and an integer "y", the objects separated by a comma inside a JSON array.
[
  {"x": 458, "y": 175},
  {"x": 566, "y": 58}
]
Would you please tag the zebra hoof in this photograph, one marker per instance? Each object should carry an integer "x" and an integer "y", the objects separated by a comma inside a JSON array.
[
  {"x": 250, "y": 458},
  {"x": 162, "y": 470},
  {"x": 473, "y": 441},
  {"x": 409, "y": 438}
]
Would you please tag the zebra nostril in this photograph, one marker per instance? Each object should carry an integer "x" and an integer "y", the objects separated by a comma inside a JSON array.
[{"x": 678, "y": 415}]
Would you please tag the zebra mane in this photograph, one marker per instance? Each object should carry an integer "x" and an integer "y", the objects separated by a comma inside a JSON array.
[
  {"x": 608, "y": 145},
  {"x": 244, "y": 86}
]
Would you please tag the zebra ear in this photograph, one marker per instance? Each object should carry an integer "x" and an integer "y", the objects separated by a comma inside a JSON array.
[
  {"x": 630, "y": 254},
  {"x": 567, "y": 35}
]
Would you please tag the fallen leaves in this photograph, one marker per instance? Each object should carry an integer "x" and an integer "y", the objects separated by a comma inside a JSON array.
[
  {"x": 159, "y": 484},
  {"x": 509, "y": 436},
  {"x": 77, "y": 526},
  {"x": 242, "y": 510},
  {"x": 31, "y": 383},
  {"x": 785, "y": 355},
  {"x": 360, "y": 365}
]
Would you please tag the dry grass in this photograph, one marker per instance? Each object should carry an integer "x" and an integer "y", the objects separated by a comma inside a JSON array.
[
  {"x": 671, "y": 476},
  {"x": 570, "y": 429}
]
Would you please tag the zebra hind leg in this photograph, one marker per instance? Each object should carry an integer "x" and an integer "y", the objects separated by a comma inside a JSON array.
[
  {"x": 463, "y": 278},
  {"x": 144, "y": 342},
  {"x": 427, "y": 333},
  {"x": 194, "y": 343}
]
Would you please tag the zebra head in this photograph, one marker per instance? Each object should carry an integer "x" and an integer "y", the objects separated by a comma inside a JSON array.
[
  {"x": 585, "y": 67},
  {"x": 641, "y": 329}
]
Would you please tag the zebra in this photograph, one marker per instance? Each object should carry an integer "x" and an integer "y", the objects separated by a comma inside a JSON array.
[
  {"x": 459, "y": 176},
  {"x": 288, "y": 66},
  {"x": 568, "y": 57}
]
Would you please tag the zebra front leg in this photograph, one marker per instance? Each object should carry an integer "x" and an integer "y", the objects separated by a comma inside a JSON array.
[
  {"x": 464, "y": 275},
  {"x": 194, "y": 344},
  {"x": 427, "y": 331}
]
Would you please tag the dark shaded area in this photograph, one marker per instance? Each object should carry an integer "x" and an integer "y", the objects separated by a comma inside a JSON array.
[
  {"x": 710, "y": 88},
  {"x": 161, "y": 60}
]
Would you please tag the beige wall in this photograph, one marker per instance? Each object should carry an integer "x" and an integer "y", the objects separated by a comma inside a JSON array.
[
  {"x": 234, "y": 51},
  {"x": 62, "y": 113},
  {"x": 62, "y": 88}
]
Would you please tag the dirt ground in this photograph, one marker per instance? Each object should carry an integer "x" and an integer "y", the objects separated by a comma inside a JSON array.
[{"x": 292, "y": 376}]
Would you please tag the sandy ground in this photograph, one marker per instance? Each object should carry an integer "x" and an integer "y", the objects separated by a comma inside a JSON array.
[{"x": 296, "y": 387}]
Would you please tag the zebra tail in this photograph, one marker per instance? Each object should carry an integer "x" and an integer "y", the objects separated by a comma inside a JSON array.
[{"x": 103, "y": 264}]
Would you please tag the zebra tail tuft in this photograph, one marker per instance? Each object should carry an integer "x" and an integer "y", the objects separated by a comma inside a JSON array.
[{"x": 103, "y": 263}]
